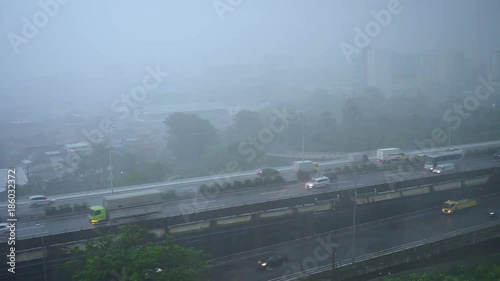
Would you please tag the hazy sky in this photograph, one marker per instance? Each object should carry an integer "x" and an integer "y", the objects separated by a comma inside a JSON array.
[{"x": 89, "y": 39}]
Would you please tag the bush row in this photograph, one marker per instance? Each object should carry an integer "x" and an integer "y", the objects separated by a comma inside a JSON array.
[
  {"x": 170, "y": 194},
  {"x": 363, "y": 168},
  {"x": 481, "y": 152},
  {"x": 66, "y": 208},
  {"x": 248, "y": 183}
]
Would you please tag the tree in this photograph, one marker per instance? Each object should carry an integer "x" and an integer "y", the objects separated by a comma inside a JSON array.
[
  {"x": 130, "y": 258},
  {"x": 189, "y": 136},
  {"x": 93, "y": 169},
  {"x": 245, "y": 123}
]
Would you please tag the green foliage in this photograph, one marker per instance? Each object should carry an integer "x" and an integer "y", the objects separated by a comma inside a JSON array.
[
  {"x": 338, "y": 170},
  {"x": 226, "y": 185},
  {"x": 482, "y": 152},
  {"x": 203, "y": 188},
  {"x": 247, "y": 183},
  {"x": 258, "y": 182},
  {"x": 189, "y": 137},
  {"x": 51, "y": 210},
  {"x": 237, "y": 184},
  {"x": 169, "y": 194},
  {"x": 132, "y": 258},
  {"x": 65, "y": 208},
  {"x": 80, "y": 207},
  {"x": 278, "y": 180},
  {"x": 267, "y": 181},
  {"x": 347, "y": 170}
]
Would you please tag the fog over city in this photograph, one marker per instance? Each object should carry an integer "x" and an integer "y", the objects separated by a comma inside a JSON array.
[
  {"x": 245, "y": 140},
  {"x": 90, "y": 52}
]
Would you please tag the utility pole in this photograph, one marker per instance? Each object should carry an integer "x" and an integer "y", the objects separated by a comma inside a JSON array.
[
  {"x": 303, "y": 147},
  {"x": 110, "y": 162},
  {"x": 43, "y": 254},
  {"x": 354, "y": 215}
]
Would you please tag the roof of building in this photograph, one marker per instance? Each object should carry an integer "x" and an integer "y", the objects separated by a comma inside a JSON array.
[{"x": 20, "y": 177}]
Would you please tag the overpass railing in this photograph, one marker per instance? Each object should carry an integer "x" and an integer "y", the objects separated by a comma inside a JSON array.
[{"x": 377, "y": 254}]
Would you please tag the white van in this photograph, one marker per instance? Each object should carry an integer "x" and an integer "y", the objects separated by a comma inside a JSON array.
[{"x": 444, "y": 168}]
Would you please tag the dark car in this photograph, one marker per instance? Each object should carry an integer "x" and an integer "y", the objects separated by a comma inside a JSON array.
[
  {"x": 332, "y": 176},
  {"x": 272, "y": 261},
  {"x": 268, "y": 172},
  {"x": 493, "y": 213}
]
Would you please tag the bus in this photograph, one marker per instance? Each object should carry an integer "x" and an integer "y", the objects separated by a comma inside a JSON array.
[{"x": 432, "y": 160}]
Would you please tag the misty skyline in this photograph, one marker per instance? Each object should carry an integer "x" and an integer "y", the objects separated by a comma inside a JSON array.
[{"x": 90, "y": 48}]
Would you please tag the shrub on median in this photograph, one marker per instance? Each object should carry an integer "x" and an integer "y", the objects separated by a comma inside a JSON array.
[
  {"x": 258, "y": 182},
  {"x": 237, "y": 184},
  {"x": 170, "y": 194},
  {"x": 65, "y": 208},
  {"x": 278, "y": 180},
  {"x": 268, "y": 181},
  {"x": 247, "y": 183},
  {"x": 51, "y": 210},
  {"x": 80, "y": 207}
]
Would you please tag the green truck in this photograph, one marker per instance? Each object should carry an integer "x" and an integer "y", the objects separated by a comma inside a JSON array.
[{"x": 130, "y": 205}]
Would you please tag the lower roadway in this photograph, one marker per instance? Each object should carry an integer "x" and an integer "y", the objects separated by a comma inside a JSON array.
[{"x": 369, "y": 239}]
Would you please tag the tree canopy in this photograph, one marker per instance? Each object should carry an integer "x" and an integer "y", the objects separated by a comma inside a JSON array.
[
  {"x": 129, "y": 257},
  {"x": 189, "y": 136}
]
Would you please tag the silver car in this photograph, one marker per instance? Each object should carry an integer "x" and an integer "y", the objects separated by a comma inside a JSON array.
[
  {"x": 318, "y": 183},
  {"x": 40, "y": 200}
]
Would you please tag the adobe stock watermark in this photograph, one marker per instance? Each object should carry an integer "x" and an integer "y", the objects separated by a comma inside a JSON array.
[
  {"x": 363, "y": 37},
  {"x": 122, "y": 107},
  {"x": 324, "y": 251},
  {"x": 251, "y": 148},
  {"x": 30, "y": 28},
  {"x": 222, "y": 7}
]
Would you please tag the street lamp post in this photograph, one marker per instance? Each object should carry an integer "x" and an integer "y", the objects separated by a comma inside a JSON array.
[
  {"x": 110, "y": 162},
  {"x": 449, "y": 122},
  {"x": 43, "y": 254},
  {"x": 303, "y": 148},
  {"x": 354, "y": 214},
  {"x": 303, "y": 141}
]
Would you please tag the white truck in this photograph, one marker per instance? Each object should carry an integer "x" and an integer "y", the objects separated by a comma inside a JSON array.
[
  {"x": 305, "y": 166},
  {"x": 386, "y": 155},
  {"x": 127, "y": 205}
]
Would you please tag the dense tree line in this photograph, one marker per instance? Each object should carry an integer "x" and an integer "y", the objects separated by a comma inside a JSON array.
[{"x": 364, "y": 121}]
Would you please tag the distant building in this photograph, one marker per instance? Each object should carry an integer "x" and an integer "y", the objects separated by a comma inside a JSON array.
[
  {"x": 21, "y": 178},
  {"x": 494, "y": 65},
  {"x": 378, "y": 69},
  {"x": 81, "y": 147}
]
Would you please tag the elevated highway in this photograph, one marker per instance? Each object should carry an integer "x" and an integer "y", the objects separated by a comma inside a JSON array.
[
  {"x": 27, "y": 227},
  {"x": 189, "y": 187}
]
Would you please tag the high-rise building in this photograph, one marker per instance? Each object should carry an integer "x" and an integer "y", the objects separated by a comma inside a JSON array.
[
  {"x": 494, "y": 65},
  {"x": 378, "y": 70}
]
